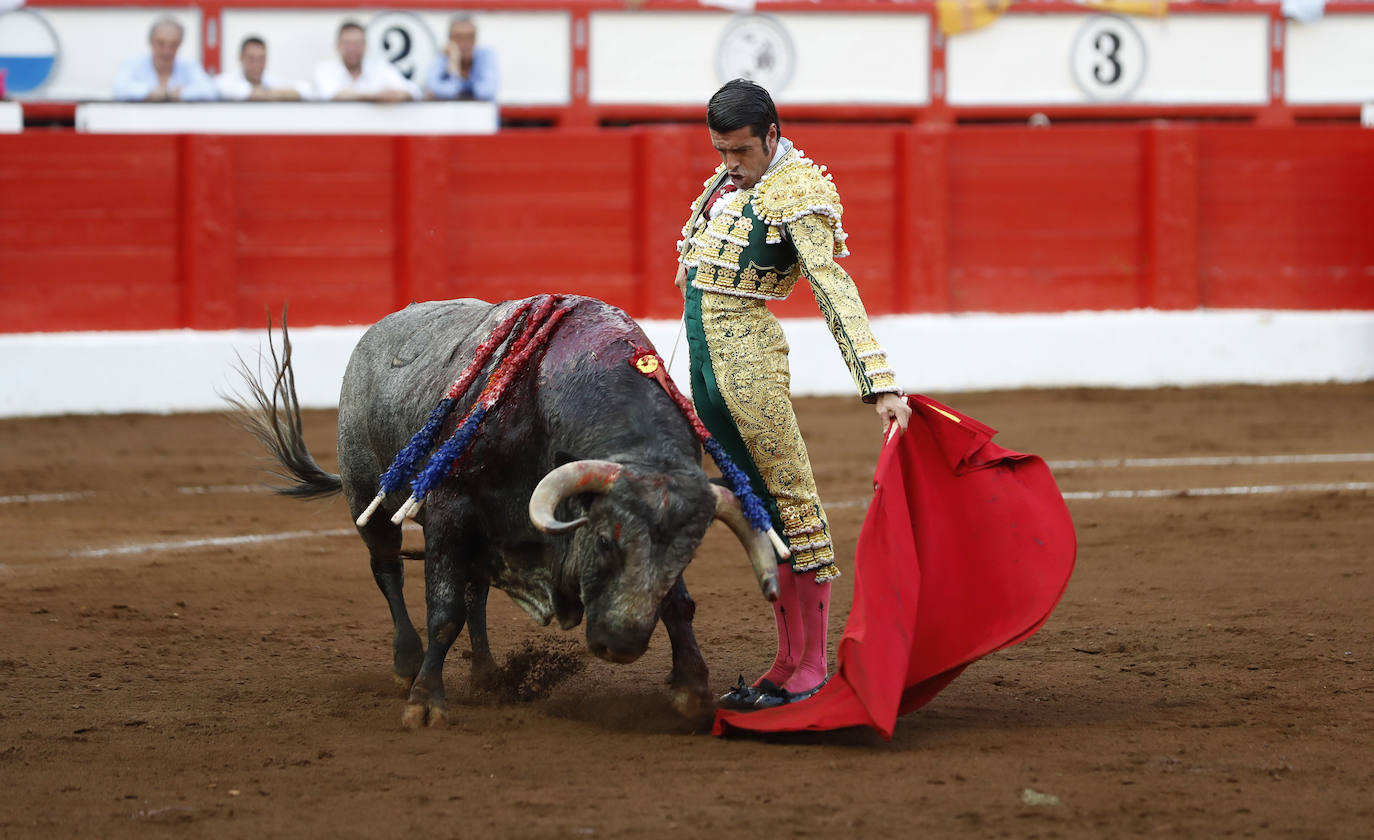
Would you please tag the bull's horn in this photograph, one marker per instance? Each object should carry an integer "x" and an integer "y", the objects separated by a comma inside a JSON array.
[
  {"x": 569, "y": 480},
  {"x": 761, "y": 555}
]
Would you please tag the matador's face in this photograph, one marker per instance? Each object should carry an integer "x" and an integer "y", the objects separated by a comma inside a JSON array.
[{"x": 745, "y": 156}]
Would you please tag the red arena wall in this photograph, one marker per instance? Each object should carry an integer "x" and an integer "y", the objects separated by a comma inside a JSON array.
[{"x": 152, "y": 232}]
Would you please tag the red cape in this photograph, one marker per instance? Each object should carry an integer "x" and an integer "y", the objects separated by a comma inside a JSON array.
[{"x": 966, "y": 549}]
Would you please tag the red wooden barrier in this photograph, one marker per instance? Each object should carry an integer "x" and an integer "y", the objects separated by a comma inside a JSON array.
[{"x": 111, "y": 232}]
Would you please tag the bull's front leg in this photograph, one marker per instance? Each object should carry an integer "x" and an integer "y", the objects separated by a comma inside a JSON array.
[
  {"x": 445, "y": 585},
  {"x": 483, "y": 666},
  {"x": 688, "y": 681}
]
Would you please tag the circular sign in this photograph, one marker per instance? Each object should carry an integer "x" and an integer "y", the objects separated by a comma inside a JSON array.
[
  {"x": 1108, "y": 58},
  {"x": 28, "y": 50},
  {"x": 757, "y": 48},
  {"x": 403, "y": 39}
]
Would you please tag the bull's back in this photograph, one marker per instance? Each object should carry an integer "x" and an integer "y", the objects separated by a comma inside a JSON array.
[
  {"x": 397, "y": 373},
  {"x": 405, "y": 363}
]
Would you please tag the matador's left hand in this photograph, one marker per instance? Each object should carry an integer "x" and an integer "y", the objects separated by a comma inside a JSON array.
[{"x": 893, "y": 407}]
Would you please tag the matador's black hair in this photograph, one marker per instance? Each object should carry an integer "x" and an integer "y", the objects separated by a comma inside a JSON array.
[{"x": 741, "y": 103}]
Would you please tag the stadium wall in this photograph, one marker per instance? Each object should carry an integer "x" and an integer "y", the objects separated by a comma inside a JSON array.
[
  {"x": 204, "y": 232},
  {"x": 1188, "y": 253}
]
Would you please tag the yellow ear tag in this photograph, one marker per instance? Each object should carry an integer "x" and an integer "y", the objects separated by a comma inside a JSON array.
[{"x": 647, "y": 364}]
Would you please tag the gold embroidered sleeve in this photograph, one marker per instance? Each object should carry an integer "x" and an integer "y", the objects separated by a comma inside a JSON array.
[{"x": 844, "y": 313}]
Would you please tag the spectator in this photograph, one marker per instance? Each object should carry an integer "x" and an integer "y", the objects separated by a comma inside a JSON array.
[
  {"x": 354, "y": 77},
  {"x": 161, "y": 76},
  {"x": 465, "y": 70},
  {"x": 251, "y": 81}
]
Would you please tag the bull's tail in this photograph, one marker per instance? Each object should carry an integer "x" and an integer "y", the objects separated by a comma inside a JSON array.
[{"x": 273, "y": 416}]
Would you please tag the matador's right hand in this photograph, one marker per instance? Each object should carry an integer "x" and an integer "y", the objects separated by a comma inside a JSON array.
[{"x": 681, "y": 279}]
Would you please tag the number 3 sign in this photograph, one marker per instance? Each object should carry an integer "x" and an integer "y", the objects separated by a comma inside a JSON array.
[{"x": 1108, "y": 58}]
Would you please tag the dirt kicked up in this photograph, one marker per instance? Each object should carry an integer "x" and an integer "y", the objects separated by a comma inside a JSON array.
[{"x": 182, "y": 654}]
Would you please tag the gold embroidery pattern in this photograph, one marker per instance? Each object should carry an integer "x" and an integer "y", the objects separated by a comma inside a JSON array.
[
  {"x": 797, "y": 188},
  {"x": 717, "y": 251},
  {"x": 684, "y": 245},
  {"x": 808, "y": 536},
  {"x": 798, "y": 195},
  {"x": 748, "y": 279},
  {"x": 794, "y": 189},
  {"x": 749, "y": 358},
  {"x": 844, "y": 313}
]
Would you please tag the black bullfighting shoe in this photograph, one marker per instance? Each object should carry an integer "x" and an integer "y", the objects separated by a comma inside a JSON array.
[
  {"x": 783, "y": 697},
  {"x": 743, "y": 698}
]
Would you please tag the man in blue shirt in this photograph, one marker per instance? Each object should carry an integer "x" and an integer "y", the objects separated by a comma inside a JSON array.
[
  {"x": 160, "y": 76},
  {"x": 465, "y": 70}
]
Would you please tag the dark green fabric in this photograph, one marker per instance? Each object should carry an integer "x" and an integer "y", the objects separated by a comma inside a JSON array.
[{"x": 710, "y": 405}]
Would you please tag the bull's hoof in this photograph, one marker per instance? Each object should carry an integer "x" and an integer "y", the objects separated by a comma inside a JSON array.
[
  {"x": 419, "y": 715},
  {"x": 691, "y": 703},
  {"x": 413, "y": 718}
]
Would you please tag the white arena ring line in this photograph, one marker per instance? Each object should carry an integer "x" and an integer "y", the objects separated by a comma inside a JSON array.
[
  {"x": 1214, "y": 461},
  {"x": 203, "y": 489},
  {"x": 1165, "y": 493},
  {"x": 1093, "y": 463},
  {"x": 1255, "y": 490},
  {"x": 1087, "y": 495},
  {"x": 46, "y": 497},
  {"x": 211, "y": 542}
]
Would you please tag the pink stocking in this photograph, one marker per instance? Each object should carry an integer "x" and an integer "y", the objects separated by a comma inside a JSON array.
[
  {"x": 814, "y": 600},
  {"x": 787, "y": 613}
]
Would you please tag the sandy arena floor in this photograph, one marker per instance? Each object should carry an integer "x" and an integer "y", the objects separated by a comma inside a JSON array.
[{"x": 1209, "y": 673}]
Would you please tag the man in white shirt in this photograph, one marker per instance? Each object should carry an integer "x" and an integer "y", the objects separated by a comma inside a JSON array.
[
  {"x": 251, "y": 81},
  {"x": 160, "y": 76},
  {"x": 354, "y": 77}
]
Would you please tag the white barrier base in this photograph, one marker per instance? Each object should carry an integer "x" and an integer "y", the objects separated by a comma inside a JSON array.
[
  {"x": 11, "y": 118},
  {"x": 184, "y": 370},
  {"x": 442, "y": 118}
]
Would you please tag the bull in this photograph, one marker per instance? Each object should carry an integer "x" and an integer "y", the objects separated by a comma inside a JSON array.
[{"x": 582, "y": 498}]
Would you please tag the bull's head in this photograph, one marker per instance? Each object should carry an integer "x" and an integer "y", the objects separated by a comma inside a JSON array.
[{"x": 631, "y": 543}]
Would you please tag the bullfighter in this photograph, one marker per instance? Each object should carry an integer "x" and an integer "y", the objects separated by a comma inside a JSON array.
[{"x": 767, "y": 217}]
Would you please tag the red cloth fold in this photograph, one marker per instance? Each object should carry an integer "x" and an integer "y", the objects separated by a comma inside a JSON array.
[
  {"x": 966, "y": 549},
  {"x": 720, "y": 192}
]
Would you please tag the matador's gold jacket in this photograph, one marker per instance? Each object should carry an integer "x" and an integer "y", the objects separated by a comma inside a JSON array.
[{"x": 786, "y": 226}]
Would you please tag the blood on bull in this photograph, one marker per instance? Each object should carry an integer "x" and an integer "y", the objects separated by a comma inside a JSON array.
[{"x": 569, "y": 477}]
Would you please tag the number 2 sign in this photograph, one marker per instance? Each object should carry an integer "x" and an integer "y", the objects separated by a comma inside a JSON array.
[
  {"x": 1108, "y": 58},
  {"x": 403, "y": 39}
]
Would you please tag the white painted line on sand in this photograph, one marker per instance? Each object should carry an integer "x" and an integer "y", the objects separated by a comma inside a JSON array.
[
  {"x": 210, "y": 542},
  {"x": 1063, "y": 464},
  {"x": 215, "y": 542},
  {"x": 1255, "y": 490},
  {"x": 46, "y": 497},
  {"x": 192, "y": 490},
  {"x": 201, "y": 490},
  {"x": 1214, "y": 461},
  {"x": 1080, "y": 495},
  {"x": 1170, "y": 492}
]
